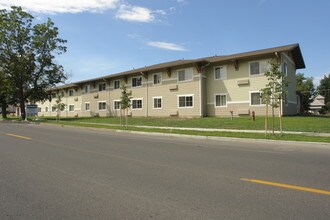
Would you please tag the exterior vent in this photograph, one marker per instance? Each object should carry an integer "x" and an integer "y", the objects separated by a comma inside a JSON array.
[
  {"x": 76, "y": 99},
  {"x": 96, "y": 95},
  {"x": 243, "y": 82},
  {"x": 243, "y": 112},
  {"x": 175, "y": 113},
  {"x": 174, "y": 87}
]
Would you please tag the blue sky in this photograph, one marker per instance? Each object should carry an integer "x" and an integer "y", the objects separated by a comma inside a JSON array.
[{"x": 110, "y": 36}]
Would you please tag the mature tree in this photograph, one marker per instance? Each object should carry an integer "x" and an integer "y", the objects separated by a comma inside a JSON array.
[
  {"x": 273, "y": 93},
  {"x": 306, "y": 90},
  {"x": 3, "y": 94},
  {"x": 324, "y": 90},
  {"x": 125, "y": 101},
  {"x": 27, "y": 56},
  {"x": 59, "y": 106}
]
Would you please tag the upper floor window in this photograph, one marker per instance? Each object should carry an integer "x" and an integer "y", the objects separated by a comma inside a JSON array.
[
  {"x": 87, "y": 88},
  {"x": 185, "y": 75},
  {"x": 220, "y": 72},
  {"x": 116, "y": 84},
  {"x": 285, "y": 68},
  {"x": 258, "y": 67},
  {"x": 102, "y": 86},
  {"x": 70, "y": 92},
  {"x": 137, "y": 81},
  {"x": 62, "y": 94},
  {"x": 157, "y": 78}
]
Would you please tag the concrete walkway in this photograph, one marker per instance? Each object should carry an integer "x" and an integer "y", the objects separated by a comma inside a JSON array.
[{"x": 215, "y": 129}]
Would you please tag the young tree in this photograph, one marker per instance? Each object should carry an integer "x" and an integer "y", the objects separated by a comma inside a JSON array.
[
  {"x": 27, "y": 55},
  {"x": 59, "y": 106},
  {"x": 125, "y": 101},
  {"x": 273, "y": 92},
  {"x": 305, "y": 88},
  {"x": 324, "y": 90},
  {"x": 4, "y": 93}
]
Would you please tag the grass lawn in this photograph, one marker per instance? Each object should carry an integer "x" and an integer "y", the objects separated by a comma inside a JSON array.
[
  {"x": 294, "y": 123},
  {"x": 288, "y": 137}
]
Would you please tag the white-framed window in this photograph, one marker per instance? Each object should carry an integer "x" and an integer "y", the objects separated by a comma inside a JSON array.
[
  {"x": 116, "y": 84},
  {"x": 116, "y": 104},
  {"x": 258, "y": 67},
  {"x": 87, "y": 106},
  {"x": 39, "y": 109},
  {"x": 137, "y": 103},
  {"x": 255, "y": 98},
  {"x": 53, "y": 95},
  {"x": 285, "y": 99},
  {"x": 157, "y": 102},
  {"x": 220, "y": 100},
  {"x": 137, "y": 81},
  {"x": 185, "y": 75},
  {"x": 62, "y": 94},
  {"x": 87, "y": 88},
  {"x": 71, "y": 93},
  {"x": 157, "y": 78},
  {"x": 71, "y": 108},
  {"x": 102, "y": 86},
  {"x": 220, "y": 72},
  {"x": 285, "y": 68},
  {"x": 102, "y": 105},
  {"x": 186, "y": 101},
  {"x": 46, "y": 109},
  {"x": 54, "y": 109}
]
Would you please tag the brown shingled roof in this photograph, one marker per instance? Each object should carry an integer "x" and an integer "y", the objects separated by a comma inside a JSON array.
[{"x": 293, "y": 48}]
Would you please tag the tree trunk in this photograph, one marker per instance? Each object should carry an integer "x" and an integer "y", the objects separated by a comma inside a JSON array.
[
  {"x": 22, "y": 106},
  {"x": 126, "y": 116},
  {"x": 280, "y": 115},
  {"x": 266, "y": 118},
  {"x": 4, "y": 107},
  {"x": 273, "y": 121}
]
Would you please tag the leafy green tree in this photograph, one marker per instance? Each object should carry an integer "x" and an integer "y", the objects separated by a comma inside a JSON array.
[
  {"x": 59, "y": 106},
  {"x": 4, "y": 92},
  {"x": 27, "y": 56},
  {"x": 273, "y": 93},
  {"x": 306, "y": 91},
  {"x": 324, "y": 90},
  {"x": 125, "y": 101}
]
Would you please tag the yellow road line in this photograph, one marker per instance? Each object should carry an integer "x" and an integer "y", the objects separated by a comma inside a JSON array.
[
  {"x": 19, "y": 136},
  {"x": 288, "y": 186}
]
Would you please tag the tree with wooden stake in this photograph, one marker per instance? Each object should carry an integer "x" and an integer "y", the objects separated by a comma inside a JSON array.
[
  {"x": 125, "y": 101},
  {"x": 273, "y": 93},
  {"x": 59, "y": 106}
]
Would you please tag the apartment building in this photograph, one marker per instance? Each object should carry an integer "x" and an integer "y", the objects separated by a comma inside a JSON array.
[{"x": 211, "y": 86}]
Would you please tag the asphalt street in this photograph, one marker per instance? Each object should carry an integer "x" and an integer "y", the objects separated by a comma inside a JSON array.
[{"x": 53, "y": 172}]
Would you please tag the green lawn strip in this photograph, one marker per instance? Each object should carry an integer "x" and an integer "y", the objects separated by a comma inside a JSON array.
[
  {"x": 289, "y": 137},
  {"x": 294, "y": 123}
]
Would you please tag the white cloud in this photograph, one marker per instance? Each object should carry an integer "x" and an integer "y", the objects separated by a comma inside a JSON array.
[
  {"x": 183, "y": 1},
  {"x": 166, "y": 46},
  {"x": 135, "y": 13},
  {"x": 61, "y": 6}
]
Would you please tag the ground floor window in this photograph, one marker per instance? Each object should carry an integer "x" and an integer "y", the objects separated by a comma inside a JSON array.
[
  {"x": 87, "y": 106},
  {"x": 116, "y": 105},
  {"x": 186, "y": 101},
  {"x": 137, "y": 104},
  {"x": 157, "y": 102},
  {"x": 102, "y": 106},
  {"x": 71, "y": 108},
  {"x": 255, "y": 98},
  {"x": 221, "y": 100}
]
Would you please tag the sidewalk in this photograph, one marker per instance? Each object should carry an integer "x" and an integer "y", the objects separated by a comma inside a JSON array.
[{"x": 214, "y": 129}]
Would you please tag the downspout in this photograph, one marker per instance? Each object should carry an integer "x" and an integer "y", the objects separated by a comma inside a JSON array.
[{"x": 201, "y": 90}]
